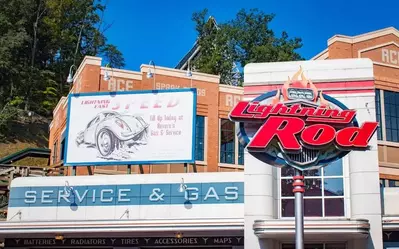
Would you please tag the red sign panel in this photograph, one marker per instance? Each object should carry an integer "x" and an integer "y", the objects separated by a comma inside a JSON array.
[{"x": 300, "y": 126}]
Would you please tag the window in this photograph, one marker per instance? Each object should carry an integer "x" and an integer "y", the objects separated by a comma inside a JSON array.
[
  {"x": 62, "y": 149},
  {"x": 231, "y": 150},
  {"x": 55, "y": 152},
  {"x": 393, "y": 183},
  {"x": 200, "y": 138},
  {"x": 391, "y": 102},
  {"x": 387, "y": 114},
  {"x": 384, "y": 183},
  {"x": 227, "y": 141},
  {"x": 240, "y": 154},
  {"x": 317, "y": 246},
  {"x": 324, "y": 194},
  {"x": 378, "y": 113}
]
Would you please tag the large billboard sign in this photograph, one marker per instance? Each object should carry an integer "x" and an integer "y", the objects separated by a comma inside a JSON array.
[
  {"x": 299, "y": 126},
  {"x": 141, "y": 127}
]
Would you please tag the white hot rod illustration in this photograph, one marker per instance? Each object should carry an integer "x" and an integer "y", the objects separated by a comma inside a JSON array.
[{"x": 109, "y": 131}]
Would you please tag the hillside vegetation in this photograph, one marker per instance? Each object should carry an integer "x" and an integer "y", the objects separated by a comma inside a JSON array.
[{"x": 21, "y": 132}]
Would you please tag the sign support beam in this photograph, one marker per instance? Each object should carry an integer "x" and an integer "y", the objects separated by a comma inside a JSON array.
[
  {"x": 195, "y": 167},
  {"x": 299, "y": 190},
  {"x": 89, "y": 170},
  {"x": 141, "y": 169}
]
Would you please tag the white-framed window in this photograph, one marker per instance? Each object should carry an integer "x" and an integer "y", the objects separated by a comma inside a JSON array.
[
  {"x": 387, "y": 114},
  {"x": 324, "y": 192},
  {"x": 230, "y": 149}
]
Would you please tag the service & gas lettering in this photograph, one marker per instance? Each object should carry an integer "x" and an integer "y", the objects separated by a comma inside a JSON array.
[{"x": 122, "y": 195}]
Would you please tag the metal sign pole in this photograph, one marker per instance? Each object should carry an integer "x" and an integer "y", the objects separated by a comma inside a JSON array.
[{"x": 299, "y": 190}]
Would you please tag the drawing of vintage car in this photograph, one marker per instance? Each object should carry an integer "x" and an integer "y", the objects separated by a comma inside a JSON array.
[{"x": 109, "y": 130}]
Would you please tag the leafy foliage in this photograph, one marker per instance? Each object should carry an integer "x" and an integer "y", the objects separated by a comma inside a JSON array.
[
  {"x": 245, "y": 39},
  {"x": 7, "y": 113},
  {"x": 40, "y": 41}
]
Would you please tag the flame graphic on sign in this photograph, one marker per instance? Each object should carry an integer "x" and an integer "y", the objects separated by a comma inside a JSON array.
[{"x": 299, "y": 81}]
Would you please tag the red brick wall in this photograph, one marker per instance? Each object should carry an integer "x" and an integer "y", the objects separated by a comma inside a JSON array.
[
  {"x": 210, "y": 103},
  {"x": 386, "y": 76}
]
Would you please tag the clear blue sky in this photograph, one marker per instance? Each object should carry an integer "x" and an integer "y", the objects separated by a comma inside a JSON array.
[{"x": 162, "y": 30}]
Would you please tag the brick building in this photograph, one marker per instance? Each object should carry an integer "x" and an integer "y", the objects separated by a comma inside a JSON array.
[
  {"x": 341, "y": 205},
  {"x": 382, "y": 47},
  {"x": 217, "y": 148}
]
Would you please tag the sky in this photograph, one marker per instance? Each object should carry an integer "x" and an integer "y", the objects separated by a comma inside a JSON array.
[{"x": 162, "y": 30}]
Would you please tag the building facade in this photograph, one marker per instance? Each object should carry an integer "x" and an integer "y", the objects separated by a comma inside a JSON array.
[
  {"x": 251, "y": 209},
  {"x": 217, "y": 148},
  {"x": 341, "y": 201},
  {"x": 230, "y": 198},
  {"x": 382, "y": 47}
]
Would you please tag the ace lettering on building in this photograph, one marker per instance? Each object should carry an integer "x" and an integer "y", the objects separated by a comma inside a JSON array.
[{"x": 390, "y": 56}]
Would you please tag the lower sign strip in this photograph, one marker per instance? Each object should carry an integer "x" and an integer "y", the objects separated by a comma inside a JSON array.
[{"x": 127, "y": 242}]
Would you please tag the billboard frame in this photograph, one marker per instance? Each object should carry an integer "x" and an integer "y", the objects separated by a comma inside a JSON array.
[{"x": 194, "y": 118}]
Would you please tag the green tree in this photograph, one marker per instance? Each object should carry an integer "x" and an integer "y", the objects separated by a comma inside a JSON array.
[
  {"x": 245, "y": 39},
  {"x": 40, "y": 41},
  {"x": 217, "y": 54}
]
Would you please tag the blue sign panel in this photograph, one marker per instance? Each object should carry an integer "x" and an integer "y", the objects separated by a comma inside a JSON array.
[
  {"x": 391, "y": 245},
  {"x": 129, "y": 194}
]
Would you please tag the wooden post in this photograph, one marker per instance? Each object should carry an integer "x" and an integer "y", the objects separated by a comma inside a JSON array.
[
  {"x": 89, "y": 170},
  {"x": 141, "y": 169},
  {"x": 194, "y": 167}
]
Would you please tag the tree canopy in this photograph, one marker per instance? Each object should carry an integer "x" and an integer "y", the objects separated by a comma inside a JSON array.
[
  {"x": 245, "y": 39},
  {"x": 41, "y": 40}
]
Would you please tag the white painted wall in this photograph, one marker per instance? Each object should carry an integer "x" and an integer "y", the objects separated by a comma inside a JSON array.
[
  {"x": 362, "y": 175},
  {"x": 390, "y": 201}
]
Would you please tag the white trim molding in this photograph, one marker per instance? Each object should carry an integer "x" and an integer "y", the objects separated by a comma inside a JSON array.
[
  {"x": 363, "y": 37},
  {"x": 334, "y": 228},
  {"x": 390, "y": 223},
  {"x": 36, "y": 228},
  {"x": 377, "y": 46},
  {"x": 87, "y": 60},
  {"x": 122, "y": 73},
  {"x": 60, "y": 102},
  {"x": 180, "y": 73},
  {"x": 388, "y": 143},
  {"x": 231, "y": 89},
  {"x": 323, "y": 55},
  {"x": 355, "y": 39}
]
